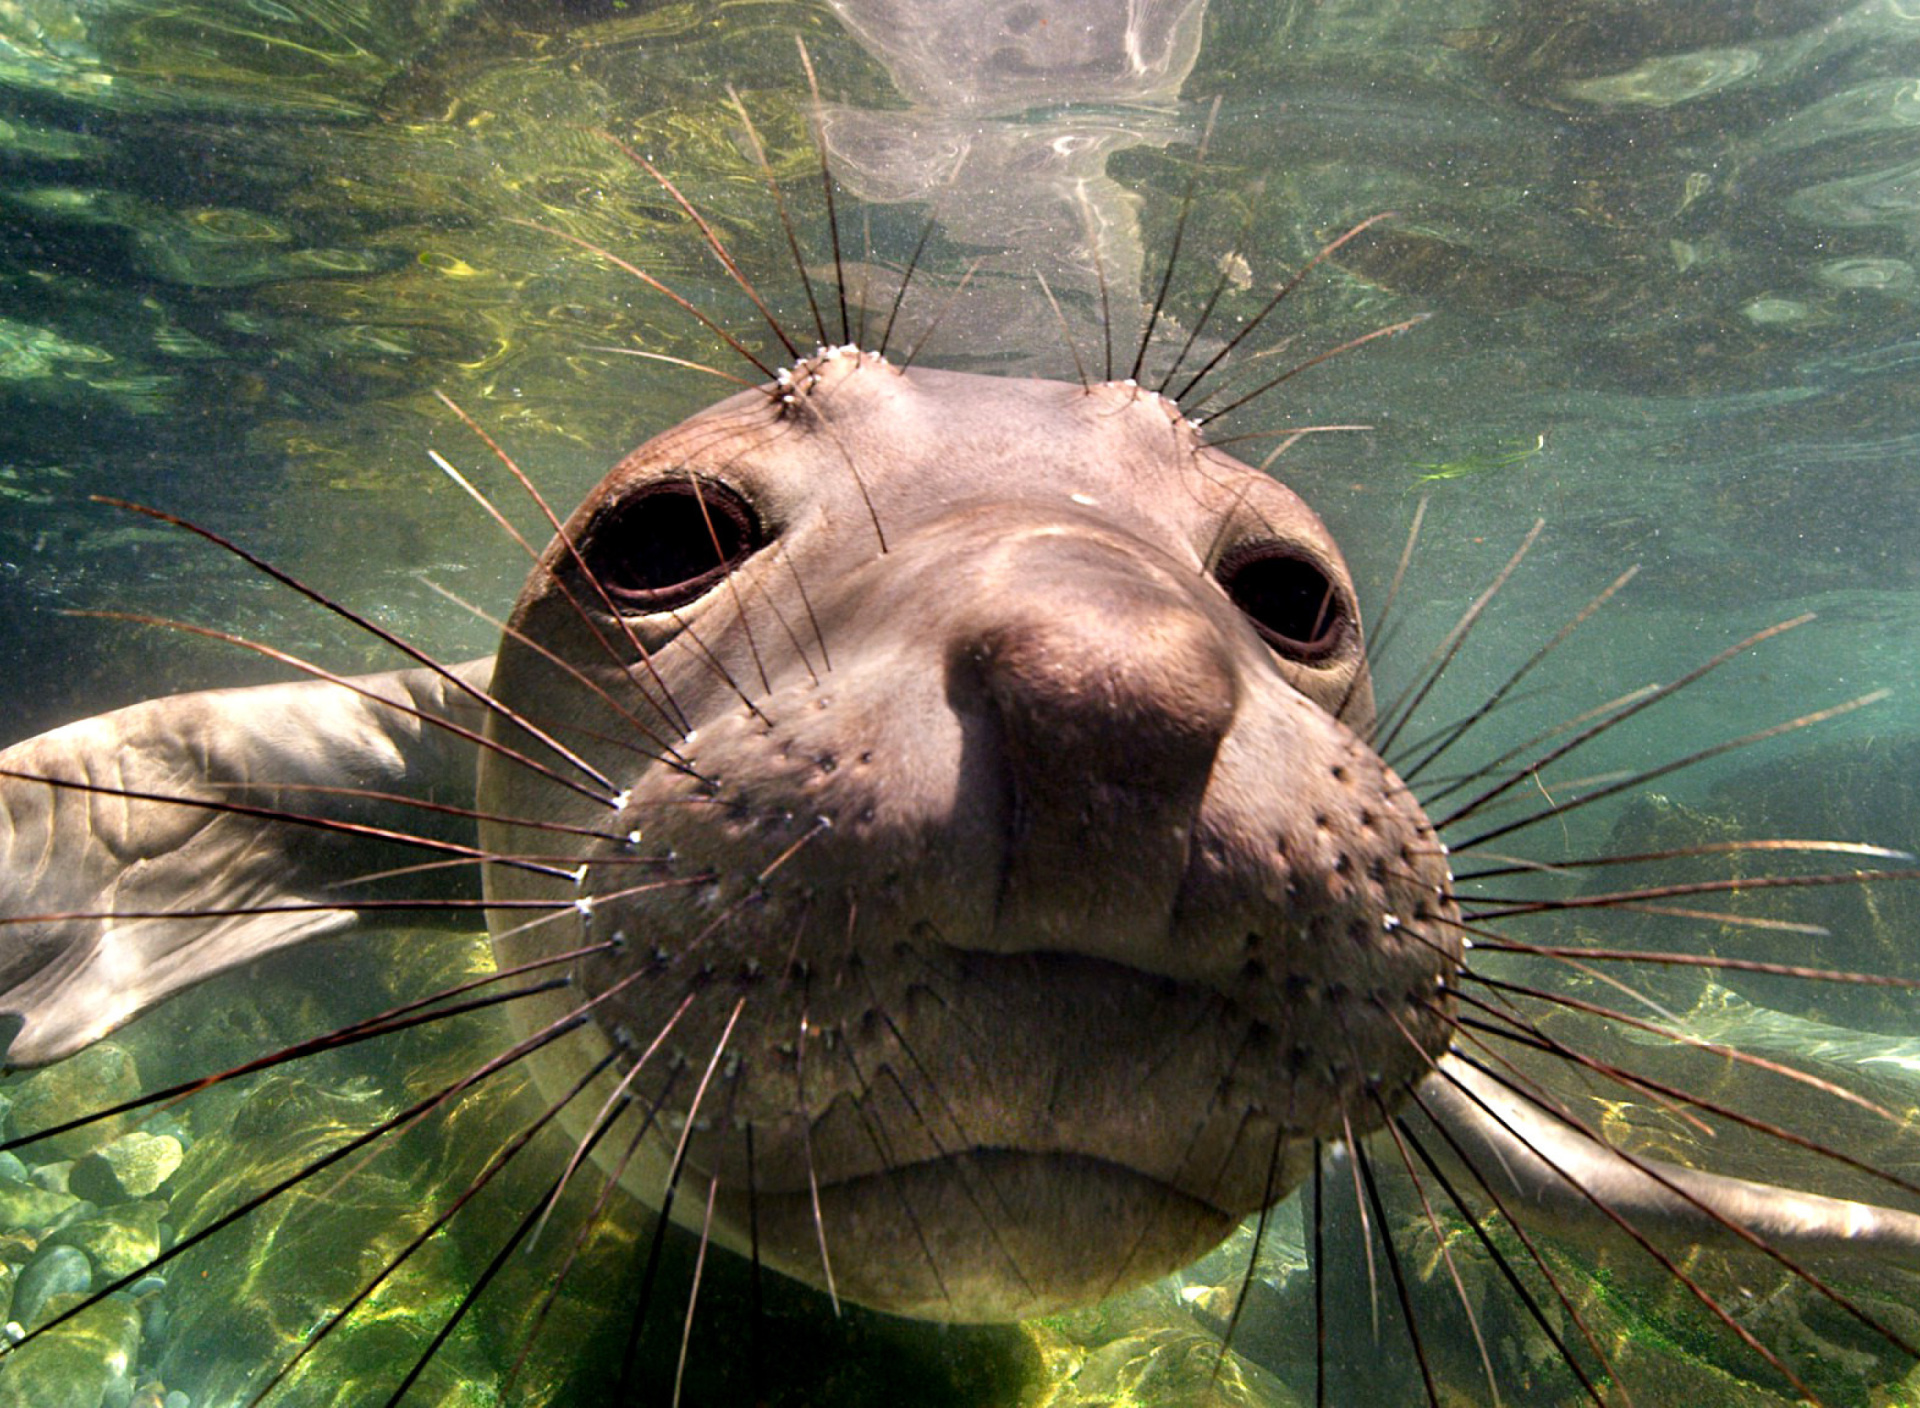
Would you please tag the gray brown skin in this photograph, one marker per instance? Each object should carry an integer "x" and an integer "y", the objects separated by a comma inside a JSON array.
[{"x": 966, "y": 838}]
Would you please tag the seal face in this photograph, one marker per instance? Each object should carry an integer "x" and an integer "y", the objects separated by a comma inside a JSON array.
[{"x": 1001, "y": 898}]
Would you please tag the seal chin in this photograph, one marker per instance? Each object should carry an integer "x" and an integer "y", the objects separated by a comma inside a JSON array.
[{"x": 989, "y": 1235}]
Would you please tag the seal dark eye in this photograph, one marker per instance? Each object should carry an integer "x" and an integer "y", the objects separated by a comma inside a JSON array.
[
  {"x": 1289, "y": 599},
  {"x": 668, "y": 543}
]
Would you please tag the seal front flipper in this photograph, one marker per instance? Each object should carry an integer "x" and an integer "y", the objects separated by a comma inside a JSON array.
[
  {"x": 1553, "y": 1174},
  {"x": 147, "y": 849}
]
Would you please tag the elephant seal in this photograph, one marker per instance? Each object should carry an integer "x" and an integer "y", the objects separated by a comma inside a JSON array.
[{"x": 949, "y": 800}]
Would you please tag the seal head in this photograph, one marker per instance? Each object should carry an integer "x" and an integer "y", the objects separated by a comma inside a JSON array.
[{"x": 996, "y": 837}]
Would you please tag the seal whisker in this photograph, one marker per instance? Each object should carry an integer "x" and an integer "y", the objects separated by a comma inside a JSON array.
[
  {"x": 1756, "y": 1240},
  {"x": 693, "y": 1291},
  {"x": 1677, "y": 1033},
  {"x": 1392, "y": 1126},
  {"x": 1221, "y": 283},
  {"x": 616, "y": 1101},
  {"x": 1613, "y": 1215},
  {"x": 505, "y": 1154},
  {"x": 626, "y": 266},
  {"x": 890, "y": 1162},
  {"x": 1280, "y": 296},
  {"x": 907, "y": 271},
  {"x": 1607, "y": 722},
  {"x": 826, "y": 180},
  {"x": 772, "y": 183},
  {"x": 1066, "y": 332},
  {"x": 1173, "y": 249},
  {"x": 665, "y": 702},
  {"x": 1455, "y": 732},
  {"x": 355, "y": 686},
  {"x": 1816, "y": 845},
  {"x": 1364, "y": 1163},
  {"x": 371, "y": 627},
  {"x": 1540, "y": 1263},
  {"x": 519, "y": 1051},
  {"x": 1394, "y": 718}
]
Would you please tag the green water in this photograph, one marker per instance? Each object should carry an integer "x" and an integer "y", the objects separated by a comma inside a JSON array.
[{"x": 1667, "y": 252}]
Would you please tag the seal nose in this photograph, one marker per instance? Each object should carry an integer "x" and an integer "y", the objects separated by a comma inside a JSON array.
[{"x": 1112, "y": 688}]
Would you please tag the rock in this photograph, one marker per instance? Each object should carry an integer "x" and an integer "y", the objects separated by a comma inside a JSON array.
[
  {"x": 85, "y": 1363},
  {"x": 54, "y": 1271},
  {"x": 22, "y": 1205},
  {"x": 53, "y": 1176},
  {"x": 132, "y": 1166},
  {"x": 11, "y": 1167},
  {"x": 101, "y": 1076},
  {"x": 118, "y": 1241}
]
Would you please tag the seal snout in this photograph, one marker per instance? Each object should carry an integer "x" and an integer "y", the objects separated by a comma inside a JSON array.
[{"x": 1110, "y": 689}]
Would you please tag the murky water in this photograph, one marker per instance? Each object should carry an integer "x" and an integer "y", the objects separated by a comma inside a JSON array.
[{"x": 1668, "y": 251}]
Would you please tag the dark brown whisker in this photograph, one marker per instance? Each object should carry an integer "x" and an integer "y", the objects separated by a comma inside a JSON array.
[
  {"x": 806, "y": 1140},
  {"x": 1220, "y": 286},
  {"x": 1392, "y": 1127},
  {"x": 1395, "y": 717},
  {"x": 1391, "y": 330},
  {"x": 1460, "y": 729},
  {"x": 667, "y": 754},
  {"x": 1639, "y": 898},
  {"x": 371, "y": 627},
  {"x": 1317, "y": 1251},
  {"x": 1640, "y": 779},
  {"x": 1672, "y": 1098},
  {"x": 1669, "y": 959},
  {"x": 1385, "y": 622},
  {"x": 772, "y": 183},
  {"x": 1704, "y": 848},
  {"x": 1666, "y": 1262},
  {"x": 398, "y": 1019},
  {"x": 500, "y": 1159},
  {"x": 616, "y": 1100},
  {"x": 933, "y": 323},
  {"x": 1755, "y": 1240},
  {"x": 668, "y": 707},
  {"x": 515, "y": 1053},
  {"x": 713, "y": 241},
  {"x": 1268, "y": 1198},
  {"x": 1500, "y": 766},
  {"x": 1505, "y": 1265},
  {"x": 670, "y": 361},
  {"x": 826, "y": 183},
  {"x": 693, "y": 1291},
  {"x": 1681, "y": 1036},
  {"x": 356, "y": 686},
  {"x": 1644, "y": 701},
  {"x": 889, "y": 1161},
  {"x": 1280, "y": 296},
  {"x": 1365, "y": 1164},
  {"x": 906, "y": 278},
  {"x": 1173, "y": 251},
  {"x": 1066, "y": 332},
  {"x": 664, "y": 1213}
]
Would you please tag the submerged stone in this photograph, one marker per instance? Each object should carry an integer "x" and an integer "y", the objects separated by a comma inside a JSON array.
[
  {"x": 24, "y": 1205},
  {"x": 133, "y": 1166},
  {"x": 119, "y": 1241},
  {"x": 55, "y": 1271},
  {"x": 97, "y": 1078},
  {"x": 83, "y": 1364}
]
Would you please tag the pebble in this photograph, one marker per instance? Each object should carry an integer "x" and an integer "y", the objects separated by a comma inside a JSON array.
[
  {"x": 54, "y": 1271},
  {"x": 101, "y": 1075},
  {"x": 86, "y": 1363},
  {"x": 132, "y": 1166}
]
